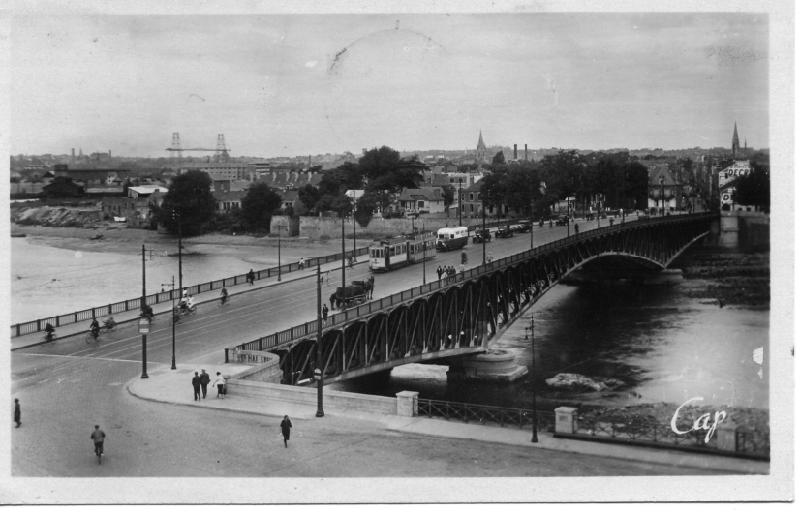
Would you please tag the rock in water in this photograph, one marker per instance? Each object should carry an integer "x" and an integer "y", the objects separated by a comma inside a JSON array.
[{"x": 576, "y": 382}]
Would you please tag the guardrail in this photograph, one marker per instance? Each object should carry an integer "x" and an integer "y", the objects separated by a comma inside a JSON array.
[
  {"x": 646, "y": 431},
  {"x": 29, "y": 327},
  {"x": 310, "y": 327},
  {"x": 470, "y": 412}
]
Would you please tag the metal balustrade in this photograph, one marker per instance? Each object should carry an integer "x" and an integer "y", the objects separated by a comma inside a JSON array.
[
  {"x": 483, "y": 414},
  {"x": 29, "y": 327},
  {"x": 355, "y": 312}
]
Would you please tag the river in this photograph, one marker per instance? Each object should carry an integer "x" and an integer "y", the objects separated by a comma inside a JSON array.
[{"x": 666, "y": 343}]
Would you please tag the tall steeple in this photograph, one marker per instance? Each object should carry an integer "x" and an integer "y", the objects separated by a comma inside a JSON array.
[
  {"x": 480, "y": 154},
  {"x": 735, "y": 141}
]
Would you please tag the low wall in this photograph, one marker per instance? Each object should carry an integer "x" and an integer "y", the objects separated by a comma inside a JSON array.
[
  {"x": 334, "y": 400},
  {"x": 314, "y": 227},
  {"x": 266, "y": 365}
]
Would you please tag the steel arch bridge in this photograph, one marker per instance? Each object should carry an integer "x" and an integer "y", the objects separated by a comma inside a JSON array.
[{"x": 442, "y": 320}]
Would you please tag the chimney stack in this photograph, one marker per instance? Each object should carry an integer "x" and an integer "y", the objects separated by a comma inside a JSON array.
[
  {"x": 515, "y": 151},
  {"x": 526, "y": 151}
]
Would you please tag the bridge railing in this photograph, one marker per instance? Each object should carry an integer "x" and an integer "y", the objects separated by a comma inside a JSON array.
[
  {"x": 29, "y": 327},
  {"x": 483, "y": 414},
  {"x": 310, "y": 327}
]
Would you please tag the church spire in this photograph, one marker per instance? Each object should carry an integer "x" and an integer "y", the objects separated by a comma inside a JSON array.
[
  {"x": 480, "y": 154},
  {"x": 735, "y": 140}
]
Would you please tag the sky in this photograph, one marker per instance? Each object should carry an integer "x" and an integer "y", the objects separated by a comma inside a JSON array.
[{"x": 299, "y": 84}]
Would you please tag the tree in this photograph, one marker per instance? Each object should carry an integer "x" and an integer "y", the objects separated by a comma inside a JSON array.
[
  {"x": 365, "y": 206},
  {"x": 310, "y": 196},
  {"x": 189, "y": 202},
  {"x": 753, "y": 189},
  {"x": 448, "y": 197},
  {"x": 499, "y": 158},
  {"x": 258, "y": 205},
  {"x": 378, "y": 162}
]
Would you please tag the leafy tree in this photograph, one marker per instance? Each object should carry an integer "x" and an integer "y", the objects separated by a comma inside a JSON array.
[
  {"x": 448, "y": 197},
  {"x": 310, "y": 196},
  {"x": 499, "y": 158},
  {"x": 753, "y": 189},
  {"x": 189, "y": 202},
  {"x": 365, "y": 206},
  {"x": 378, "y": 162},
  {"x": 258, "y": 205}
]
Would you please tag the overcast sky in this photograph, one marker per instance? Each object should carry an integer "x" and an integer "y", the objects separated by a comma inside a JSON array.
[{"x": 308, "y": 84}]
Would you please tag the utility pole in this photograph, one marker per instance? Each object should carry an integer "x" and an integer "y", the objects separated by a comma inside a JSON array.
[
  {"x": 172, "y": 297},
  {"x": 459, "y": 202},
  {"x": 483, "y": 226},
  {"x": 535, "y": 435},
  {"x": 144, "y": 327},
  {"x": 343, "y": 278},
  {"x": 318, "y": 374}
]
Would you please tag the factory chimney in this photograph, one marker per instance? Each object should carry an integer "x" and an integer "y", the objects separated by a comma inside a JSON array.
[
  {"x": 515, "y": 151},
  {"x": 526, "y": 151}
]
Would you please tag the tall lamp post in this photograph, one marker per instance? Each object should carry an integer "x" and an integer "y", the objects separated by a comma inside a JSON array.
[
  {"x": 459, "y": 201},
  {"x": 144, "y": 327},
  {"x": 318, "y": 368},
  {"x": 172, "y": 297},
  {"x": 279, "y": 227},
  {"x": 343, "y": 278},
  {"x": 483, "y": 226},
  {"x": 535, "y": 418},
  {"x": 424, "y": 252},
  {"x": 661, "y": 180},
  {"x": 354, "y": 226},
  {"x": 176, "y": 216}
]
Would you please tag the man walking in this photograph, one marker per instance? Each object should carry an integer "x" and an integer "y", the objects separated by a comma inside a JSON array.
[
  {"x": 17, "y": 413},
  {"x": 196, "y": 385},
  {"x": 204, "y": 380},
  {"x": 286, "y": 429},
  {"x": 324, "y": 313},
  {"x": 439, "y": 272}
]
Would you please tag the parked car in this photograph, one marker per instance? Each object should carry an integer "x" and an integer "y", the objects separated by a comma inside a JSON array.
[
  {"x": 562, "y": 221},
  {"x": 525, "y": 226},
  {"x": 515, "y": 228},
  {"x": 481, "y": 235},
  {"x": 504, "y": 232}
]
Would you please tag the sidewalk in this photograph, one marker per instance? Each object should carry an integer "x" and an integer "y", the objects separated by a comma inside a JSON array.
[
  {"x": 174, "y": 387},
  {"x": 132, "y": 316}
]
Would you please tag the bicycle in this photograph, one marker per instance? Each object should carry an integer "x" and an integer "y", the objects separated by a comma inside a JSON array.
[
  {"x": 98, "y": 450},
  {"x": 92, "y": 337}
]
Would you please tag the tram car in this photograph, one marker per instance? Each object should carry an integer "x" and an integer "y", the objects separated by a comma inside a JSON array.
[
  {"x": 451, "y": 238},
  {"x": 399, "y": 251}
]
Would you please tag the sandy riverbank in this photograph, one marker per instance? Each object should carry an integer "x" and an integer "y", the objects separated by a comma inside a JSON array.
[{"x": 118, "y": 239}]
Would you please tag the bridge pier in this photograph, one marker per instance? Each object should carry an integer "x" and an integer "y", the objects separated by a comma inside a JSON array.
[{"x": 494, "y": 365}]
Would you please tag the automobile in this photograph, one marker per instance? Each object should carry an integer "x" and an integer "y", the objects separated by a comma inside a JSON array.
[
  {"x": 525, "y": 226},
  {"x": 504, "y": 232},
  {"x": 515, "y": 228},
  {"x": 562, "y": 221},
  {"x": 482, "y": 234}
]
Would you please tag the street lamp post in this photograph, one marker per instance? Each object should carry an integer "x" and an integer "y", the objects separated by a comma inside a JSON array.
[
  {"x": 354, "y": 226},
  {"x": 459, "y": 201},
  {"x": 483, "y": 227},
  {"x": 177, "y": 217},
  {"x": 661, "y": 180},
  {"x": 318, "y": 375},
  {"x": 143, "y": 330},
  {"x": 343, "y": 278},
  {"x": 424, "y": 252},
  {"x": 279, "y": 227},
  {"x": 172, "y": 297},
  {"x": 535, "y": 434}
]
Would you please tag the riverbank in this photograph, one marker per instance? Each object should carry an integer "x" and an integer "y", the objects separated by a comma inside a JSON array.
[{"x": 732, "y": 278}]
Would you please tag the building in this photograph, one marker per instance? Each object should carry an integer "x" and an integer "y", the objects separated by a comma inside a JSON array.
[
  {"x": 727, "y": 179},
  {"x": 663, "y": 190},
  {"x": 422, "y": 200},
  {"x": 146, "y": 190},
  {"x": 480, "y": 151}
]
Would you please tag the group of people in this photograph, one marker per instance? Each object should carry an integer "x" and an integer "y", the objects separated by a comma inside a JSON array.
[
  {"x": 200, "y": 383},
  {"x": 448, "y": 271}
]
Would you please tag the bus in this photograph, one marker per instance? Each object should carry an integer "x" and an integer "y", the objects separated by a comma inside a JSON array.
[
  {"x": 399, "y": 251},
  {"x": 451, "y": 238}
]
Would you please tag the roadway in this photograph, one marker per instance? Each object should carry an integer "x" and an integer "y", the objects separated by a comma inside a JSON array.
[{"x": 68, "y": 386}]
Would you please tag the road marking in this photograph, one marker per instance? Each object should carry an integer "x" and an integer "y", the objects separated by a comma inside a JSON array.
[{"x": 79, "y": 357}]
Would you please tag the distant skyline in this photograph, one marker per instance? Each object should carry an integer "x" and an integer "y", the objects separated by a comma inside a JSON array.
[{"x": 286, "y": 85}]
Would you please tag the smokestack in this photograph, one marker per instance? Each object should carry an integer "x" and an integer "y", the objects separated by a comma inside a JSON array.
[
  {"x": 526, "y": 151},
  {"x": 515, "y": 151}
]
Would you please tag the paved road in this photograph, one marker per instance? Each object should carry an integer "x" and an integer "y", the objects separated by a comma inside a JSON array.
[{"x": 68, "y": 386}]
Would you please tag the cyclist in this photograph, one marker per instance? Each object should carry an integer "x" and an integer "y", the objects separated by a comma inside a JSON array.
[
  {"x": 189, "y": 303},
  {"x": 94, "y": 328},
  {"x": 98, "y": 436},
  {"x": 49, "y": 331},
  {"x": 224, "y": 294},
  {"x": 109, "y": 323},
  {"x": 147, "y": 312}
]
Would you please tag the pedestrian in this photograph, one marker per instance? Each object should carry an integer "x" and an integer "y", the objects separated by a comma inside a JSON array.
[
  {"x": 196, "y": 385},
  {"x": 286, "y": 429},
  {"x": 204, "y": 380},
  {"x": 251, "y": 277},
  {"x": 439, "y": 271},
  {"x": 302, "y": 263},
  {"x": 220, "y": 383},
  {"x": 332, "y": 299},
  {"x": 324, "y": 313},
  {"x": 17, "y": 413}
]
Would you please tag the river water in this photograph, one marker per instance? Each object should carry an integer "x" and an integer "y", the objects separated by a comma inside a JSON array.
[{"x": 666, "y": 343}]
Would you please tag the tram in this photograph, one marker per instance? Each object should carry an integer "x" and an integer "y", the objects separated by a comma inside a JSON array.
[
  {"x": 451, "y": 238},
  {"x": 388, "y": 254}
]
